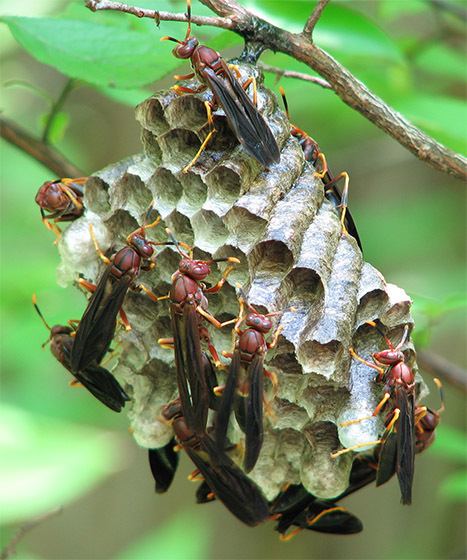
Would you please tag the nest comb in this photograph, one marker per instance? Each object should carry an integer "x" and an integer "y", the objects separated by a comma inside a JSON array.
[{"x": 292, "y": 251}]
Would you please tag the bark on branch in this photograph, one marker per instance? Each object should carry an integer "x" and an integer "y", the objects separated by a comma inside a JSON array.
[
  {"x": 353, "y": 92},
  {"x": 48, "y": 156}
]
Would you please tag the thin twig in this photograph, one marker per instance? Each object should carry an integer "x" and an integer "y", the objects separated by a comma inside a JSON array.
[
  {"x": 313, "y": 19},
  {"x": 48, "y": 156},
  {"x": 440, "y": 367},
  {"x": 292, "y": 74},
  {"x": 54, "y": 110},
  {"x": 98, "y": 5},
  {"x": 10, "y": 549},
  {"x": 354, "y": 93}
]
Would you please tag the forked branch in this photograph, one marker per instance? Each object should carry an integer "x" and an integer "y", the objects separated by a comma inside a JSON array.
[{"x": 354, "y": 93}]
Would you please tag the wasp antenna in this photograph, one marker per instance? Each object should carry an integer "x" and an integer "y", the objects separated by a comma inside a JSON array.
[
  {"x": 188, "y": 15},
  {"x": 36, "y": 307},
  {"x": 177, "y": 243},
  {"x": 284, "y": 101},
  {"x": 167, "y": 38},
  {"x": 378, "y": 328}
]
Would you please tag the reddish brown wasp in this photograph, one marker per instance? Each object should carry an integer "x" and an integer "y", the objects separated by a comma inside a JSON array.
[
  {"x": 96, "y": 379},
  {"x": 230, "y": 485},
  {"x": 244, "y": 389},
  {"x": 63, "y": 199},
  {"x": 246, "y": 122},
  {"x": 398, "y": 442},
  {"x": 97, "y": 327},
  {"x": 189, "y": 310},
  {"x": 313, "y": 155}
]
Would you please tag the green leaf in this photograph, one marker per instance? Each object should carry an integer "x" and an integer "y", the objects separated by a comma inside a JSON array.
[
  {"x": 389, "y": 9},
  {"x": 46, "y": 463},
  {"x": 454, "y": 487},
  {"x": 129, "y": 97},
  {"x": 450, "y": 444},
  {"x": 96, "y": 53},
  {"x": 184, "y": 537}
]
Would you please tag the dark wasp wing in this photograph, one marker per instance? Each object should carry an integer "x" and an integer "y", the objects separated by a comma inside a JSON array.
[
  {"x": 189, "y": 365},
  {"x": 337, "y": 522},
  {"x": 240, "y": 495},
  {"x": 103, "y": 385},
  {"x": 226, "y": 403},
  {"x": 254, "y": 412},
  {"x": 204, "y": 494},
  {"x": 405, "y": 466},
  {"x": 97, "y": 326},
  {"x": 211, "y": 379},
  {"x": 163, "y": 463},
  {"x": 387, "y": 459},
  {"x": 98, "y": 381},
  {"x": 247, "y": 123}
]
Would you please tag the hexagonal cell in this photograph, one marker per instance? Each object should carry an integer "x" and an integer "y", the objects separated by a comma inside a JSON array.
[
  {"x": 181, "y": 227},
  {"x": 131, "y": 194},
  {"x": 194, "y": 194},
  {"x": 187, "y": 111},
  {"x": 96, "y": 196},
  {"x": 209, "y": 230},
  {"x": 166, "y": 190},
  {"x": 151, "y": 146},
  {"x": 179, "y": 147},
  {"x": 150, "y": 114}
]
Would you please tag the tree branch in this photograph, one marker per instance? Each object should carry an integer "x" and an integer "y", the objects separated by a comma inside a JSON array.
[
  {"x": 48, "y": 156},
  {"x": 350, "y": 90},
  {"x": 98, "y": 5},
  {"x": 313, "y": 19},
  {"x": 440, "y": 367},
  {"x": 292, "y": 74}
]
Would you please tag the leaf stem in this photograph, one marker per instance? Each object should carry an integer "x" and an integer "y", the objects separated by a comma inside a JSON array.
[{"x": 55, "y": 109}]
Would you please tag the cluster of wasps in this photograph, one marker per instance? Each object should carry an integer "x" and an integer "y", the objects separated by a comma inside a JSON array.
[{"x": 82, "y": 346}]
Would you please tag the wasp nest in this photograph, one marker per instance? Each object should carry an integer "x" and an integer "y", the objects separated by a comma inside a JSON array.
[{"x": 293, "y": 253}]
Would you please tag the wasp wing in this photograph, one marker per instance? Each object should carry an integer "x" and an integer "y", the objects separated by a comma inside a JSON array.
[
  {"x": 103, "y": 385},
  {"x": 97, "y": 326},
  {"x": 231, "y": 486},
  {"x": 387, "y": 459},
  {"x": 405, "y": 466},
  {"x": 163, "y": 463},
  {"x": 190, "y": 367},
  {"x": 254, "y": 412},
  {"x": 247, "y": 123},
  {"x": 226, "y": 403}
]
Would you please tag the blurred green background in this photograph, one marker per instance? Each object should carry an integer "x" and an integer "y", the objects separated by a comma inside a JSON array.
[{"x": 61, "y": 447}]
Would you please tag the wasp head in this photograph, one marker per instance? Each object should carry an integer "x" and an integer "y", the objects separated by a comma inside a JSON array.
[{"x": 259, "y": 322}]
